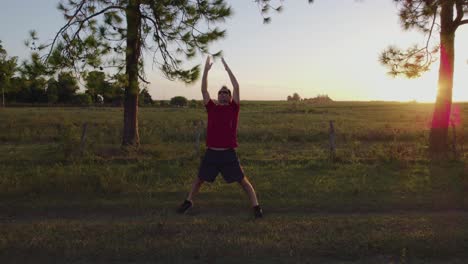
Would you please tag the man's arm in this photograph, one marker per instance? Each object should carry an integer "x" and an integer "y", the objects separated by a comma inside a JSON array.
[
  {"x": 235, "y": 84},
  {"x": 204, "y": 85}
]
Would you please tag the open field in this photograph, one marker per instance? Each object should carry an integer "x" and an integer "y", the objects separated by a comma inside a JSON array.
[{"x": 381, "y": 201}]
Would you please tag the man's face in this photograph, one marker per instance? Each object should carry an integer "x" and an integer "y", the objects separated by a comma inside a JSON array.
[{"x": 224, "y": 96}]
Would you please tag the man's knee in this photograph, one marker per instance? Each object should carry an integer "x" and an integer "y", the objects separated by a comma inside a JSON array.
[{"x": 198, "y": 181}]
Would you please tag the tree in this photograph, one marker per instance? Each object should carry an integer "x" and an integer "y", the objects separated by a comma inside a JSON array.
[
  {"x": 178, "y": 101},
  {"x": 52, "y": 91},
  {"x": 145, "y": 97},
  {"x": 118, "y": 89},
  {"x": 32, "y": 90},
  {"x": 82, "y": 99},
  {"x": 96, "y": 84},
  {"x": 295, "y": 97},
  {"x": 67, "y": 87},
  {"x": 33, "y": 84},
  {"x": 194, "y": 103},
  {"x": 7, "y": 70},
  {"x": 446, "y": 16},
  {"x": 101, "y": 89},
  {"x": 169, "y": 28},
  {"x": 319, "y": 99},
  {"x": 427, "y": 16},
  {"x": 14, "y": 88}
]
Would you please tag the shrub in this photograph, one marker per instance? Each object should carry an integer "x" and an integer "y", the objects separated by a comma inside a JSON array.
[
  {"x": 178, "y": 101},
  {"x": 82, "y": 99}
]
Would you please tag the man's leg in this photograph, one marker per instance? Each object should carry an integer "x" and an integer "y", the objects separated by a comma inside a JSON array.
[
  {"x": 188, "y": 203},
  {"x": 247, "y": 186},
  {"x": 197, "y": 183}
]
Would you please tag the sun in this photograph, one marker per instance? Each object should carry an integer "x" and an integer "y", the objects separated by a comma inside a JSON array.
[{"x": 422, "y": 89}]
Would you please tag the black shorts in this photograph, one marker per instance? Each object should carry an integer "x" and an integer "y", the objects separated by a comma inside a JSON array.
[{"x": 224, "y": 161}]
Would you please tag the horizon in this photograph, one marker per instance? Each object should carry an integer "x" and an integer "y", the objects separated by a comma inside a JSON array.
[{"x": 334, "y": 101}]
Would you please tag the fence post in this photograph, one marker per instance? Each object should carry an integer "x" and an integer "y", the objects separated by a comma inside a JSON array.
[{"x": 332, "y": 141}]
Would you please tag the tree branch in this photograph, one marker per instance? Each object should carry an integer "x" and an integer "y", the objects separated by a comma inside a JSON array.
[
  {"x": 143, "y": 79},
  {"x": 460, "y": 12},
  {"x": 463, "y": 22},
  {"x": 162, "y": 45},
  {"x": 428, "y": 54},
  {"x": 80, "y": 22},
  {"x": 64, "y": 28}
]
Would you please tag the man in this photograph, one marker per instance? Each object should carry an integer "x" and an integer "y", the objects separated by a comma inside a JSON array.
[{"x": 221, "y": 141}]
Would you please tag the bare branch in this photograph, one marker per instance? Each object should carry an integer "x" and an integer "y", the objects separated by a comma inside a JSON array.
[{"x": 463, "y": 22}]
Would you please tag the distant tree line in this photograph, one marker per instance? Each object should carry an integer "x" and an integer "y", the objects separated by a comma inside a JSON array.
[
  {"x": 181, "y": 101},
  {"x": 321, "y": 98},
  {"x": 295, "y": 97},
  {"x": 32, "y": 82}
]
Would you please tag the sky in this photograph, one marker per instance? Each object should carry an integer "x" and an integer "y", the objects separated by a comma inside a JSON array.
[{"x": 328, "y": 47}]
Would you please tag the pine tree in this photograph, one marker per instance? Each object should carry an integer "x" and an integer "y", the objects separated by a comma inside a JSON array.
[
  {"x": 8, "y": 68},
  {"x": 428, "y": 16},
  {"x": 114, "y": 33}
]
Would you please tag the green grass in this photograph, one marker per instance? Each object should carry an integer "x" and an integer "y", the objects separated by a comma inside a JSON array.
[
  {"x": 232, "y": 237},
  {"x": 382, "y": 201}
]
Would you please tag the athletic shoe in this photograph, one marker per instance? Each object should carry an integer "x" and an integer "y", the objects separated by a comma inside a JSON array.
[
  {"x": 258, "y": 212},
  {"x": 184, "y": 207}
]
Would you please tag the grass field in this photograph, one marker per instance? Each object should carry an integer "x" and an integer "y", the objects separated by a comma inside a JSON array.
[{"x": 381, "y": 201}]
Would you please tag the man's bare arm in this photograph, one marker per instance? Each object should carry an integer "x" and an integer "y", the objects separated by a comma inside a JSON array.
[
  {"x": 204, "y": 85},
  {"x": 235, "y": 84}
]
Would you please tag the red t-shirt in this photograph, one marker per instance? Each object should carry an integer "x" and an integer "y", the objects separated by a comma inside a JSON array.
[{"x": 221, "y": 131}]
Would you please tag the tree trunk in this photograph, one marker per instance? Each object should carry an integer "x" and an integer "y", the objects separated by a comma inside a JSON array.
[
  {"x": 438, "y": 138},
  {"x": 133, "y": 52}
]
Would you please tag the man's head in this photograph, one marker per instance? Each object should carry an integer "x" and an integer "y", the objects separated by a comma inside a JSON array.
[{"x": 224, "y": 95}]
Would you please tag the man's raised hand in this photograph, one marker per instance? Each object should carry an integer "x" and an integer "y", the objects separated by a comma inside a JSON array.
[{"x": 208, "y": 64}]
